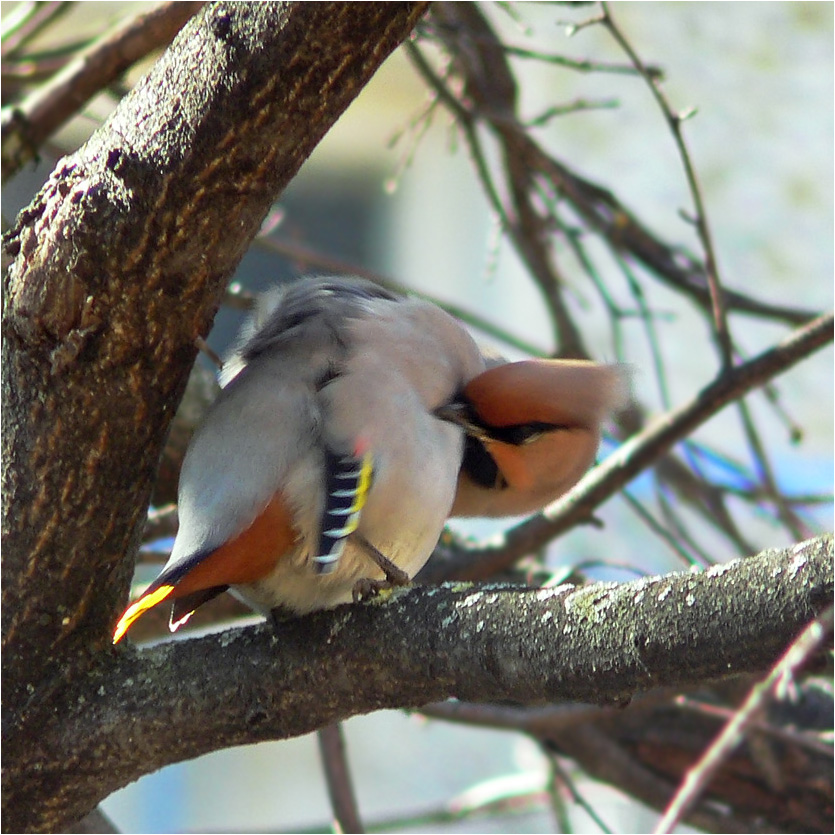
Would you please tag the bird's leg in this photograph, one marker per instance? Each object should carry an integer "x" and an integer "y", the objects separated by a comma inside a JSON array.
[{"x": 367, "y": 587}]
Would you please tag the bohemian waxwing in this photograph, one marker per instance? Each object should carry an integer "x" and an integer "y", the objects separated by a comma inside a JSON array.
[
  {"x": 335, "y": 453},
  {"x": 320, "y": 454}
]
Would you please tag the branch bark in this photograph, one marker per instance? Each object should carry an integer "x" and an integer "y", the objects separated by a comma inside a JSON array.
[{"x": 139, "y": 710}]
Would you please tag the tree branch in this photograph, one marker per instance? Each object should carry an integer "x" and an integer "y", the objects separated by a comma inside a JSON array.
[
  {"x": 26, "y": 126},
  {"x": 137, "y": 711}
]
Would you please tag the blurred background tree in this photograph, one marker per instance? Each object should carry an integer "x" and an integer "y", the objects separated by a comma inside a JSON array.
[{"x": 554, "y": 194}]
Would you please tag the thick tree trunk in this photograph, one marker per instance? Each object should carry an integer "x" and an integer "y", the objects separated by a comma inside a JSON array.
[{"x": 119, "y": 264}]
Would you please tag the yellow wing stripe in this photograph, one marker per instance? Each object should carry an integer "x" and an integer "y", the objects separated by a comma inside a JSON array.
[
  {"x": 142, "y": 605},
  {"x": 366, "y": 477}
]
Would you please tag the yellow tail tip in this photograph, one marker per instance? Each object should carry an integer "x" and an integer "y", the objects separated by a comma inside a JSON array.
[{"x": 137, "y": 608}]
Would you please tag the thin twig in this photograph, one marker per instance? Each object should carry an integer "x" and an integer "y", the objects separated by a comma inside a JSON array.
[
  {"x": 23, "y": 22},
  {"x": 706, "y": 498},
  {"x": 674, "y": 121},
  {"x": 678, "y": 527},
  {"x": 466, "y": 122},
  {"x": 207, "y": 349},
  {"x": 576, "y": 106},
  {"x": 647, "y": 318},
  {"x": 578, "y": 798},
  {"x": 558, "y": 804},
  {"x": 659, "y": 530},
  {"x": 698, "y": 777},
  {"x": 766, "y": 473},
  {"x": 338, "y": 777},
  {"x": 790, "y": 737},
  {"x": 581, "y": 65}
]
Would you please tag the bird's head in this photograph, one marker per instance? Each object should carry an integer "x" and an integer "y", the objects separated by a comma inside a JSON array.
[{"x": 532, "y": 429}]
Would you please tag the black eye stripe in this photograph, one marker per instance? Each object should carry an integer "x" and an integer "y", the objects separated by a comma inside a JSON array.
[
  {"x": 464, "y": 414},
  {"x": 521, "y": 433}
]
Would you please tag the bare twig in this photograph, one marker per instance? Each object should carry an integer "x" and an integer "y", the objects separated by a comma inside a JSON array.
[
  {"x": 790, "y": 737},
  {"x": 207, "y": 349},
  {"x": 783, "y": 672},
  {"x": 466, "y": 122},
  {"x": 670, "y": 539},
  {"x": 767, "y": 478},
  {"x": 706, "y": 498},
  {"x": 561, "y": 774},
  {"x": 674, "y": 121},
  {"x": 581, "y": 65},
  {"x": 576, "y": 106},
  {"x": 338, "y": 777},
  {"x": 26, "y": 20}
]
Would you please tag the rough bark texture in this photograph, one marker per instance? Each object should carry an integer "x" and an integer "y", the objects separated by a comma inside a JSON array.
[
  {"x": 119, "y": 264},
  {"x": 136, "y": 711}
]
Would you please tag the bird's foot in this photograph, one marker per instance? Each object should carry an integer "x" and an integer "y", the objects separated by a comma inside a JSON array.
[
  {"x": 394, "y": 576},
  {"x": 368, "y": 589}
]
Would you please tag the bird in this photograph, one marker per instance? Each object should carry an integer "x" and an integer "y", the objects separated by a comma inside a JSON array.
[
  {"x": 352, "y": 422},
  {"x": 321, "y": 464}
]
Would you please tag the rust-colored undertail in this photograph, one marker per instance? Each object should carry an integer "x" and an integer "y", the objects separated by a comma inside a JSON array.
[{"x": 192, "y": 581}]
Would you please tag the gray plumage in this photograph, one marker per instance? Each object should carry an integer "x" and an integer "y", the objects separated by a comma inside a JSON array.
[{"x": 327, "y": 364}]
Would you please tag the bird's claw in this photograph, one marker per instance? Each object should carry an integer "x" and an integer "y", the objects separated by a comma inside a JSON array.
[{"x": 368, "y": 589}]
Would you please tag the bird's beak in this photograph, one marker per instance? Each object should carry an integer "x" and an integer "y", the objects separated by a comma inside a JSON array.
[{"x": 461, "y": 414}]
